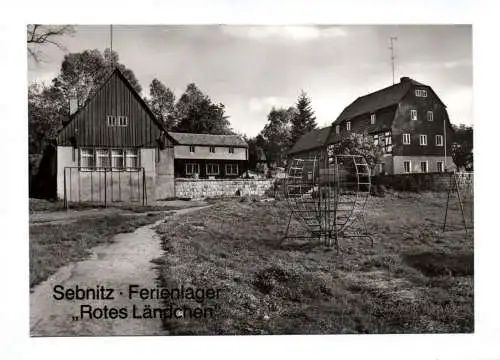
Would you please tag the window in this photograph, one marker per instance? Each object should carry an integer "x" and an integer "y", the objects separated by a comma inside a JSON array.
[
  {"x": 231, "y": 169},
  {"x": 117, "y": 159},
  {"x": 439, "y": 140},
  {"x": 413, "y": 114},
  {"x": 430, "y": 116},
  {"x": 111, "y": 120},
  {"x": 407, "y": 166},
  {"x": 348, "y": 126},
  {"x": 421, "y": 93},
  {"x": 375, "y": 140},
  {"x": 122, "y": 120},
  {"x": 423, "y": 166},
  {"x": 231, "y": 150},
  {"x": 337, "y": 129},
  {"x": 372, "y": 119},
  {"x": 192, "y": 149},
  {"x": 388, "y": 142},
  {"x": 212, "y": 169},
  {"x": 440, "y": 166},
  {"x": 102, "y": 158},
  {"x": 131, "y": 159},
  {"x": 423, "y": 140},
  {"x": 406, "y": 139},
  {"x": 87, "y": 159},
  {"x": 192, "y": 169},
  {"x": 212, "y": 149}
]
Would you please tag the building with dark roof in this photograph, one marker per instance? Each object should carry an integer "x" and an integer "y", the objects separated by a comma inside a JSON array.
[
  {"x": 206, "y": 155},
  {"x": 408, "y": 119}
]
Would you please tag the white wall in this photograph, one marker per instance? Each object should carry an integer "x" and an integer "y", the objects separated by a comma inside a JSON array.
[{"x": 203, "y": 152}]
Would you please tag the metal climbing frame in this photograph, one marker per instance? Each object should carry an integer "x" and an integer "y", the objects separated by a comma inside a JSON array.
[
  {"x": 461, "y": 184},
  {"x": 327, "y": 194}
]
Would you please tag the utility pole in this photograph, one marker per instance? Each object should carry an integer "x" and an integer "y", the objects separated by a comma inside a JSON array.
[
  {"x": 392, "y": 39},
  {"x": 111, "y": 36}
]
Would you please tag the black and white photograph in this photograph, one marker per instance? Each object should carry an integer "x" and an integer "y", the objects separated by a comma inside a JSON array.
[{"x": 250, "y": 179}]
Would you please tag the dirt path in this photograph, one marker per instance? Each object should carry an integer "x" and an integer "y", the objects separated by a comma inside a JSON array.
[{"x": 127, "y": 261}]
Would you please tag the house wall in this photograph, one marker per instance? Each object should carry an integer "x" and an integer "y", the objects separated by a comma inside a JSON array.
[
  {"x": 199, "y": 189},
  {"x": 403, "y": 124},
  {"x": 398, "y": 167},
  {"x": 165, "y": 185},
  {"x": 105, "y": 186},
  {"x": 180, "y": 167},
  {"x": 203, "y": 152}
]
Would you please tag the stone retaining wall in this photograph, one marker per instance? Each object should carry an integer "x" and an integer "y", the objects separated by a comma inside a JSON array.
[
  {"x": 423, "y": 181},
  {"x": 202, "y": 188}
]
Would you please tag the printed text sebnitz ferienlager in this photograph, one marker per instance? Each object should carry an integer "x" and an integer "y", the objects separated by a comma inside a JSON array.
[{"x": 139, "y": 310}]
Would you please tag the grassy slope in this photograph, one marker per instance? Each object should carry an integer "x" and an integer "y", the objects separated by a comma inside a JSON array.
[
  {"x": 53, "y": 246},
  {"x": 415, "y": 279}
]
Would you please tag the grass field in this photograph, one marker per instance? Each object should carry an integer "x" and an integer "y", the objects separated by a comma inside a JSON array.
[
  {"x": 53, "y": 246},
  {"x": 415, "y": 279}
]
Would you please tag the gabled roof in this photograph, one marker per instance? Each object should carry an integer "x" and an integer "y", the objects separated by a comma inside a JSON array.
[
  {"x": 141, "y": 101},
  {"x": 311, "y": 140},
  {"x": 208, "y": 139},
  {"x": 377, "y": 100}
]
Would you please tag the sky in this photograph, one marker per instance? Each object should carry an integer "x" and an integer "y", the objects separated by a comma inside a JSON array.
[{"x": 250, "y": 69}]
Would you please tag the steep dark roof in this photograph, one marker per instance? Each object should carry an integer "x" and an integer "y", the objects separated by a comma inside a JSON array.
[
  {"x": 117, "y": 72},
  {"x": 208, "y": 139},
  {"x": 377, "y": 100},
  {"x": 311, "y": 140}
]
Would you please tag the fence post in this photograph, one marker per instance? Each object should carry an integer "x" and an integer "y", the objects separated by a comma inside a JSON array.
[
  {"x": 65, "y": 195},
  {"x": 105, "y": 187}
]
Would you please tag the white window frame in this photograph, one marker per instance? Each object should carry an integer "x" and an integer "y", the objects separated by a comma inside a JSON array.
[
  {"x": 439, "y": 143},
  {"x": 87, "y": 153},
  {"x": 431, "y": 117},
  {"x": 211, "y": 173},
  {"x": 100, "y": 155},
  {"x": 426, "y": 166},
  {"x": 131, "y": 154},
  {"x": 111, "y": 120},
  {"x": 409, "y": 166},
  {"x": 421, "y": 93},
  {"x": 211, "y": 149},
  {"x": 406, "y": 139},
  {"x": 337, "y": 129},
  {"x": 232, "y": 167},
  {"x": 388, "y": 142},
  {"x": 348, "y": 126},
  {"x": 423, "y": 140},
  {"x": 442, "y": 166},
  {"x": 373, "y": 118},
  {"x": 192, "y": 148},
  {"x": 413, "y": 115},
  {"x": 118, "y": 154},
  {"x": 375, "y": 139},
  {"x": 192, "y": 166},
  {"x": 122, "y": 120},
  {"x": 231, "y": 149}
]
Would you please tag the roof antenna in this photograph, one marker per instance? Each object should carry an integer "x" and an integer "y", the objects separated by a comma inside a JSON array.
[
  {"x": 392, "y": 39},
  {"x": 111, "y": 45}
]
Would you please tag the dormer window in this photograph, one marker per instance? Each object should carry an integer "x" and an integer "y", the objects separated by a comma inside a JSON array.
[
  {"x": 421, "y": 93},
  {"x": 372, "y": 119}
]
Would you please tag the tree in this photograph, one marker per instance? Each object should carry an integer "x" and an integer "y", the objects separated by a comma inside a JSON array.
[
  {"x": 275, "y": 137},
  {"x": 196, "y": 113},
  {"x": 462, "y": 146},
  {"x": 82, "y": 73},
  {"x": 303, "y": 120},
  {"x": 358, "y": 144},
  {"x": 39, "y": 35},
  {"x": 162, "y": 103}
]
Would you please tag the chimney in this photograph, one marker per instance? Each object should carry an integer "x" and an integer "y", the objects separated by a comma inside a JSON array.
[
  {"x": 404, "y": 79},
  {"x": 73, "y": 106}
]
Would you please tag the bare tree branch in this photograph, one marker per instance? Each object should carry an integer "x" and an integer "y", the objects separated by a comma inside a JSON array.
[{"x": 37, "y": 35}]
